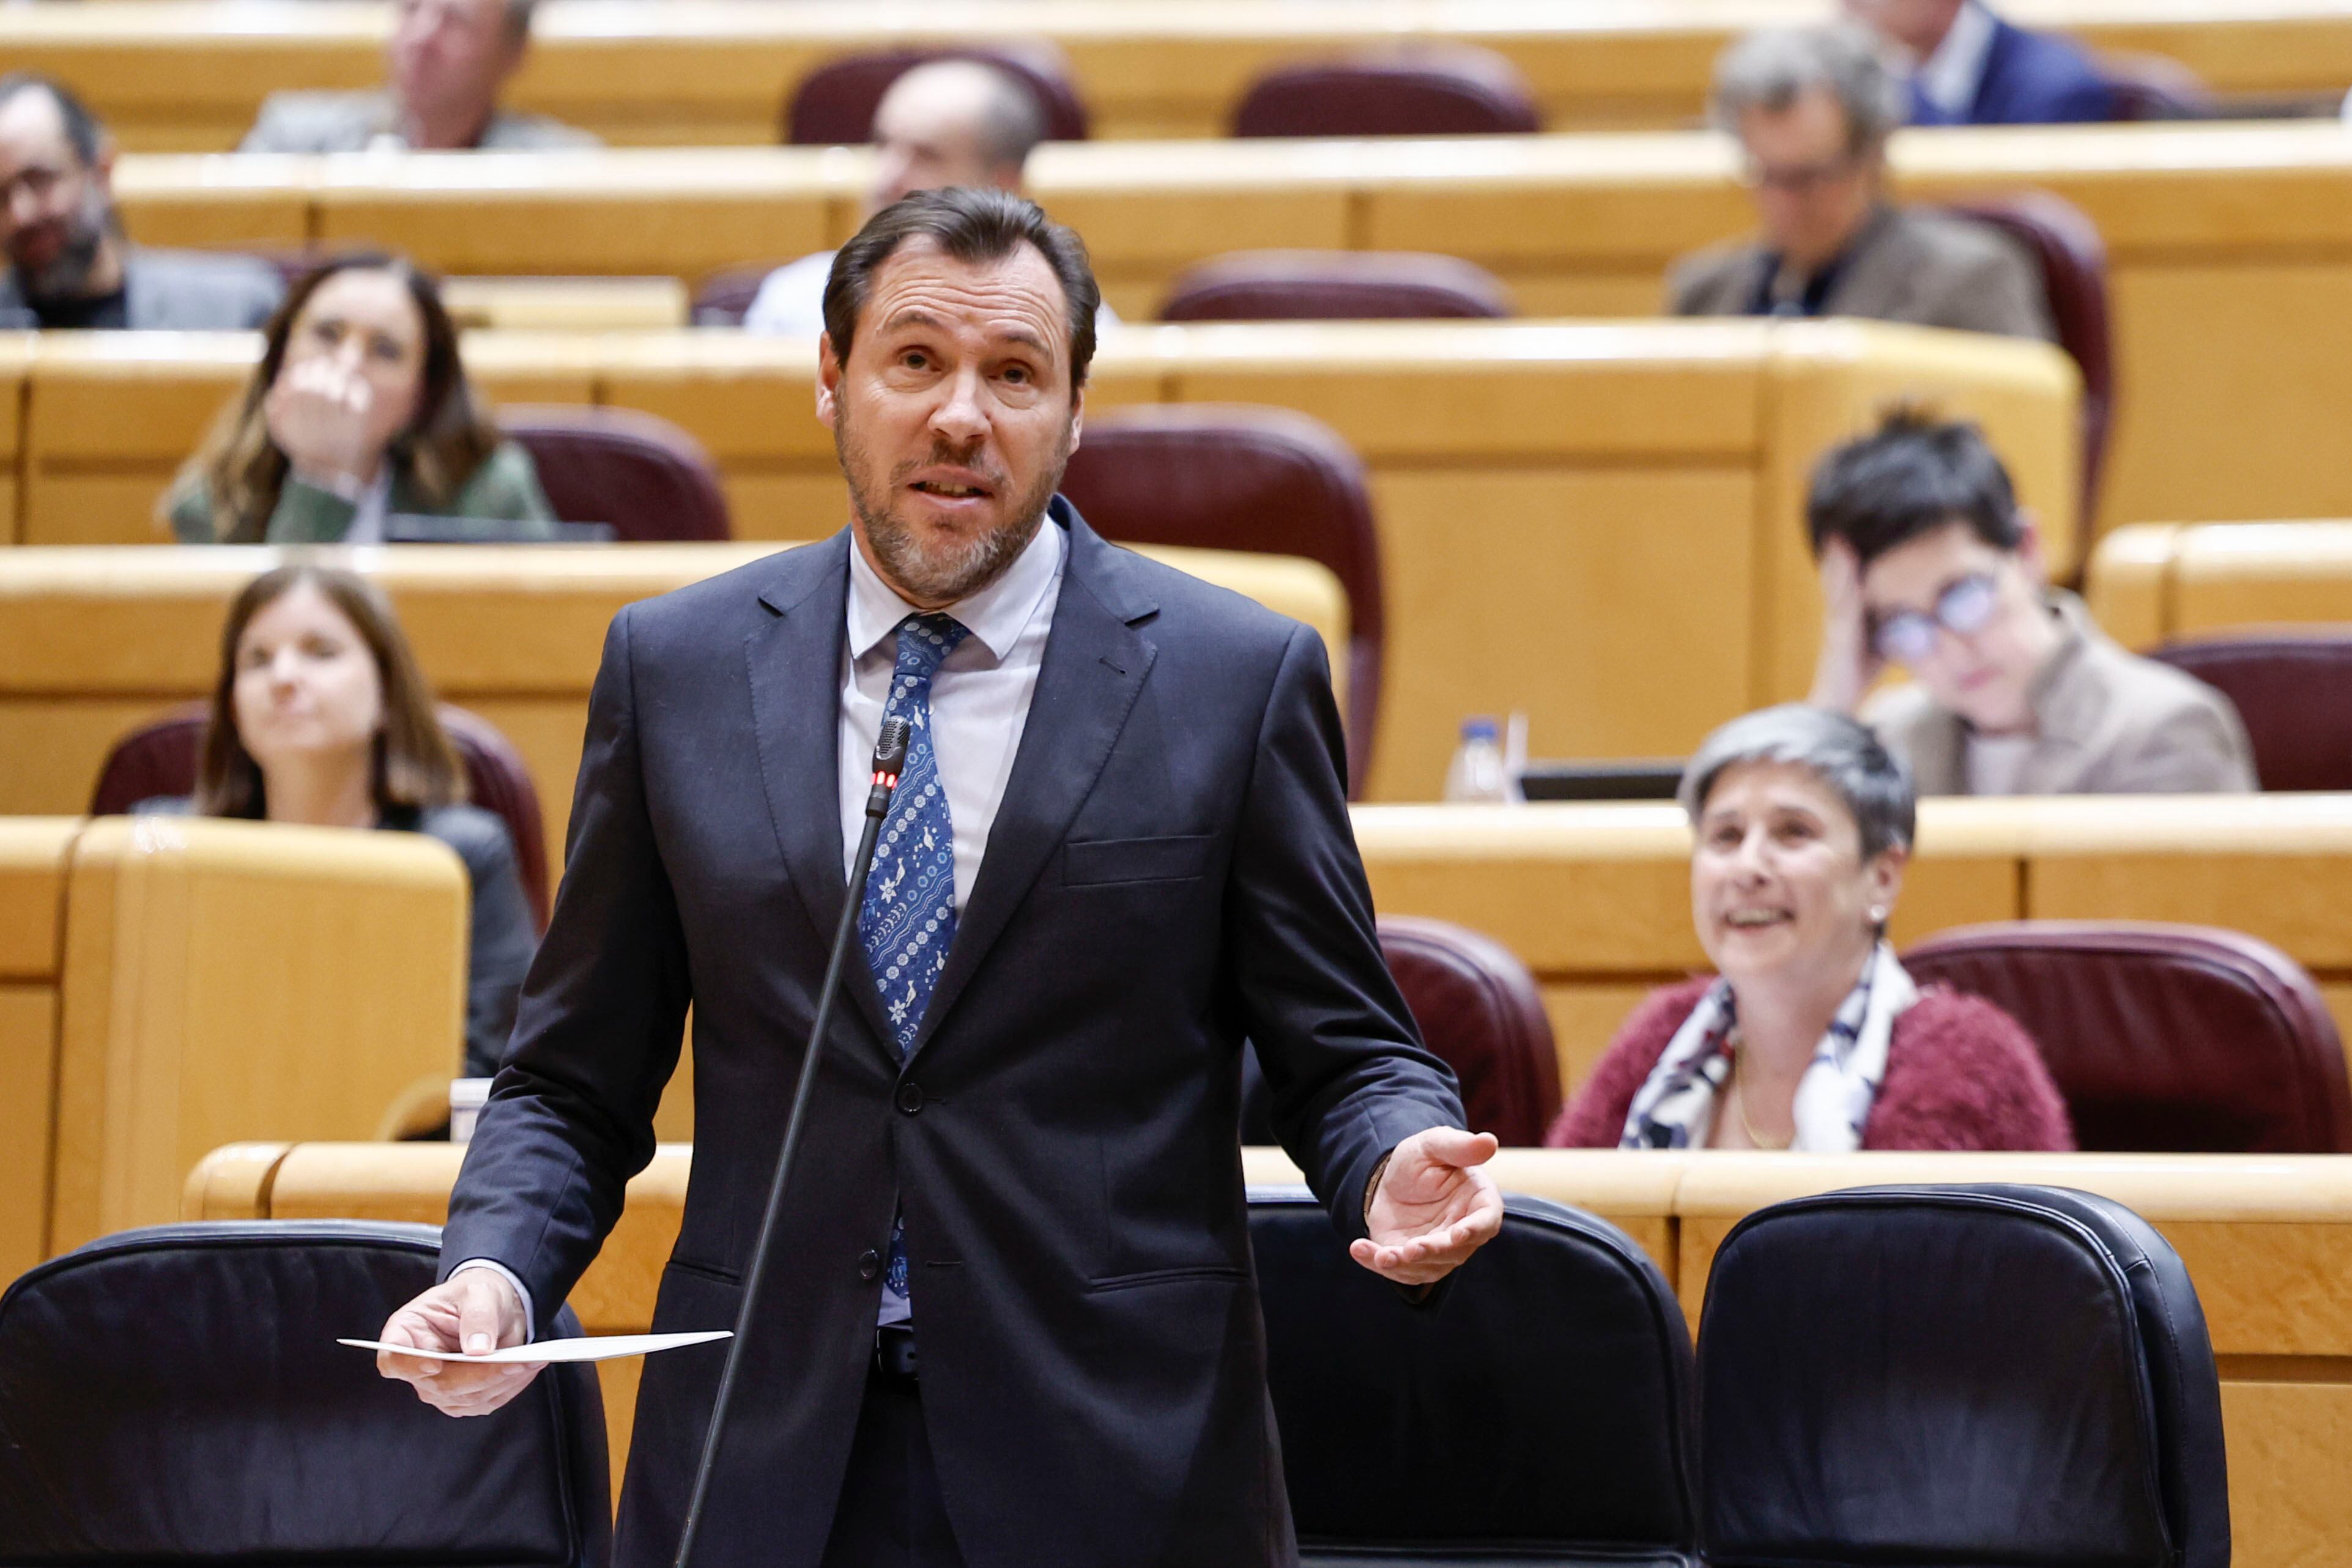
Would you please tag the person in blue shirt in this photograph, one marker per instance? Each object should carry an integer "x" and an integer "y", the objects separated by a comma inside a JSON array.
[{"x": 1971, "y": 67}]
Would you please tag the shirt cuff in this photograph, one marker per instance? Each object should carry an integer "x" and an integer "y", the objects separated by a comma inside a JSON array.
[{"x": 522, "y": 1291}]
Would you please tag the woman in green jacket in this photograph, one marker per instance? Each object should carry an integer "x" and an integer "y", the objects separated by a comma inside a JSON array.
[{"x": 360, "y": 411}]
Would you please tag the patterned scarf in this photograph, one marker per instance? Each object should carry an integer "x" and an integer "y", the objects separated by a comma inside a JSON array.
[{"x": 1676, "y": 1107}]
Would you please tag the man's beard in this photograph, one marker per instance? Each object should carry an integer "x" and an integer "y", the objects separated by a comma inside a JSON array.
[
  {"x": 970, "y": 565},
  {"x": 66, "y": 273}
]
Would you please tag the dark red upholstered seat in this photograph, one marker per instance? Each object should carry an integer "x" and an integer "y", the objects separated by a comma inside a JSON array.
[
  {"x": 1224, "y": 477},
  {"x": 2065, "y": 245},
  {"x": 643, "y": 476},
  {"x": 1333, "y": 286},
  {"x": 723, "y": 297},
  {"x": 1479, "y": 1010},
  {"x": 834, "y": 105},
  {"x": 160, "y": 758},
  {"x": 2154, "y": 87},
  {"x": 1436, "y": 90},
  {"x": 2294, "y": 689},
  {"x": 2163, "y": 1039}
]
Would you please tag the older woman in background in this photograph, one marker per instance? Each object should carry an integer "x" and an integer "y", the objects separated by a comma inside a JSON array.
[
  {"x": 360, "y": 410},
  {"x": 1810, "y": 1036},
  {"x": 321, "y": 716}
]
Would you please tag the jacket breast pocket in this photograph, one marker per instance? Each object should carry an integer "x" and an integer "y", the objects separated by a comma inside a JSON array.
[{"x": 1098, "y": 862}]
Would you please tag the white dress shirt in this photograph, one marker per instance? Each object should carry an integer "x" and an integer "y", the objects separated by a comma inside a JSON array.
[
  {"x": 1951, "y": 76},
  {"x": 979, "y": 698},
  {"x": 979, "y": 706}
]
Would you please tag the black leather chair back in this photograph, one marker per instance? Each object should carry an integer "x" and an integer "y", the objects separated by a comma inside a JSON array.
[
  {"x": 1537, "y": 1412},
  {"x": 175, "y": 1395},
  {"x": 1993, "y": 1376}
]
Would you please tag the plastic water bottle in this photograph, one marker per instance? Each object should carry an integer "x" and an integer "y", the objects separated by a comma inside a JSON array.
[{"x": 1477, "y": 772}]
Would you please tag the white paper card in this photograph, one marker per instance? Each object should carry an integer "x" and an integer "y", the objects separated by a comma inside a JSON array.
[{"x": 596, "y": 1348}]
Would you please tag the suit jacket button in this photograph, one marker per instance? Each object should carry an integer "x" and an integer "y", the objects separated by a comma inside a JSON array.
[
  {"x": 910, "y": 1098},
  {"x": 869, "y": 1263}
]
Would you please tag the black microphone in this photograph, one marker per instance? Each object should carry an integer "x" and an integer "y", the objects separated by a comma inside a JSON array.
[{"x": 890, "y": 761}]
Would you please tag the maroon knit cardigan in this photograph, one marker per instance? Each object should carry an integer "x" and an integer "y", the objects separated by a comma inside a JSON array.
[{"x": 1961, "y": 1074}]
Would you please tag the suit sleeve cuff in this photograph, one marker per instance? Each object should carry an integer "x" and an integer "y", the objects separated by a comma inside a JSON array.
[{"x": 522, "y": 1291}]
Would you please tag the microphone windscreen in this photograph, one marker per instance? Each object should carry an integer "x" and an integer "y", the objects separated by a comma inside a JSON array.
[{"x": 890, "y": 747}]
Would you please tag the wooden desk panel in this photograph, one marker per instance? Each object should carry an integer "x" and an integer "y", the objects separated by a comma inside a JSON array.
[
  {"x": 34, "y": 854},
  {"x": 1648, "y": 476},
  {"x": 190, "y": 76},
  {"x": 1595, "y": 899},
  {"x": 2151, "y": 584},
  {"x": 194, "y": 1010},
  {"x": 94, "y": 641}
]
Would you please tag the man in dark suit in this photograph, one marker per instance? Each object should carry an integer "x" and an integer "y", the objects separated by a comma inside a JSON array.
[
  {"x": 1971, "y": 67},
  {"x": 1119, "y": 848},
  {"x": 68, "y": 264}
]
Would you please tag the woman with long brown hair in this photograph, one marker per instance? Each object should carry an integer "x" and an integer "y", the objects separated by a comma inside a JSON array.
[
  {"x": 321, "y": 716},
  {"x": 359, "y": 409}
]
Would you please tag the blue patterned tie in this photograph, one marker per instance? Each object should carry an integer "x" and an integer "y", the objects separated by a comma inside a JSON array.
[{"x": 909, "y": 917}]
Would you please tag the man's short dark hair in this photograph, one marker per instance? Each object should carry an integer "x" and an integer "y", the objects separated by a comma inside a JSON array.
[
  {"x": 519, "y": 15},
  {"x": 1911, "y": 476},
  {"x": 972, "y": 224},
  {"x": 84, "y": 131}
]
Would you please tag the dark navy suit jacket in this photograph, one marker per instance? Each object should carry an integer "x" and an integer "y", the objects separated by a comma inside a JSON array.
[
  {"x": 1172, "y": 870},
  {"x": 2030, "y": 79}
]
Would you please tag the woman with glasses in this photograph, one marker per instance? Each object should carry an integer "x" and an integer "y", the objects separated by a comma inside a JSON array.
[
  {"x": 1928, "y": 564},
  {"x": 1810, "y": 1035}
]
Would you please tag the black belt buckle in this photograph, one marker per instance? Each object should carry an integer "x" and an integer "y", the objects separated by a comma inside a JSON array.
[{"x": 894, "y": 1353}]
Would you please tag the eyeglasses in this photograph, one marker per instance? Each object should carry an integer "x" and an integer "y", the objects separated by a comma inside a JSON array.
[{"x": 1964, "y": 608}]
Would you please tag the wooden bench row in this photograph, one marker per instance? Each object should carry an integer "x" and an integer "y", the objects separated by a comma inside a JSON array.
[
  {"x": 191, "y": 75},
  {"x": 167, "y": 984},
  {"x": 2267, "y": 1243},
  {"x": 95, "y": 641},
  {"x": 1595, "y": 899},
  {"x": 2230, "y": 248},
  {"x": 1643, "y": 482}
]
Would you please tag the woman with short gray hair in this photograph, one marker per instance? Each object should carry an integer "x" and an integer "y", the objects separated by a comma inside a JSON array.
[{"x": 1810, "y": 1036}]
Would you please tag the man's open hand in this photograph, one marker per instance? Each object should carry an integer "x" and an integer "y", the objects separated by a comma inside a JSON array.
[
  {"x": 474, "y": 1310},
  {"x": 1432, "y": 1207}
]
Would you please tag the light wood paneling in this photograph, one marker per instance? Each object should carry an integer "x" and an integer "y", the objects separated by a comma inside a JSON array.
[
  {"x": 208, "y": 967},
  {"x": 94, "y": 641},
  {"x": 190, "y": 76},
  {"x": 33, "y": 852},
  {"x": 1595, "y": 899},
  {"x": 1584, "y": 643},
  {"x": 28, "y": 1058},
  {"x": 2152, "y": 583},
  {"x": 1640, "y": 473}
]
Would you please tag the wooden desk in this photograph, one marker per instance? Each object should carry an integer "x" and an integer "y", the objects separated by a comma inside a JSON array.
[
  {"x": 2231, "y": 247},
  {"x": 1596, "y": 899},
  {"x": 33, "y": 855},
  {"x": 2267, "y": 1241},
  {"x": 1642, "y": 480},
  {"x": 2148, "y": 585},
  {"x": 94, "y": 641},
  {"x": 167, "y": 984},
  {"x": 177, "y": 76}
]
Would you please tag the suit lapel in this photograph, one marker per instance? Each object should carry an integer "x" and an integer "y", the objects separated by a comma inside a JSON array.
[
  {"x": 795, "y": 674},
  {"x": 1094, "y": 664}
]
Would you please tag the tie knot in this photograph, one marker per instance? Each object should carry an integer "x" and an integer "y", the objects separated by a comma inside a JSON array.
[{"x": 925, "y": 639}]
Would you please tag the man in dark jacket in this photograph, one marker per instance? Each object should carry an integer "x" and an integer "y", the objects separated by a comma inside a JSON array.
[
  {"x": 68, "y": 264},
  {"x": 1120, "y": 847},
  {"x": 1971, "y": 67}
]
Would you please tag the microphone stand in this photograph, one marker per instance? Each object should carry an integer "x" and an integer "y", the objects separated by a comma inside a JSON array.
[{"x": 889, "y": 760}]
